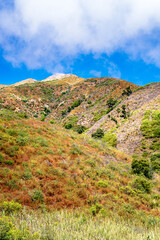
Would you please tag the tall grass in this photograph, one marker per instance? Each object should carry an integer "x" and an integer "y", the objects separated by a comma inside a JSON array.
[{"x": 70, "y": 225}]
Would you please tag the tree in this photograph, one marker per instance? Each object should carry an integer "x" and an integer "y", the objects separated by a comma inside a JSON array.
[
  {"x": 141, "y": 166},
  {"x": 98, "y": 134}
]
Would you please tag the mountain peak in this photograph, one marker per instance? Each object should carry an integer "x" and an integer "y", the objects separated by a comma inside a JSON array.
[{"x": 58, "y": 76}]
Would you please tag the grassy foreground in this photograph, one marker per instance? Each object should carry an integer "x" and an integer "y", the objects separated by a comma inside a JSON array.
[{"x": 62, "y": 225}]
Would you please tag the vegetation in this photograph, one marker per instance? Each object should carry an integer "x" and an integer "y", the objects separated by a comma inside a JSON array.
[
  {"x": 50, "y": 176},
  {"x": 80, "y": 225},
  {"x": 98, "y": 134},
  {"x": 110, "y": 138}
]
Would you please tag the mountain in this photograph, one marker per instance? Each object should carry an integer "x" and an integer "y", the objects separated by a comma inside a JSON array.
[
  {"x": 71, "y": 142},
  {"x": 58, "y": 76},
  {"x": 29, "y": 80}
]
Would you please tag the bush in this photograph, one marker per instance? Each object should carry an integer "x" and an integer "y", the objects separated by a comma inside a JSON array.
[
  {"x": 1, "y": 158},
  {"x": 141, "y": 166},
  {"x": 37, "y": 195},
  {"x": 43, "y": 117},
  {"x": 10, "y": 207},
  {"x": 127, "y": 92},
  {"x": 9, "y": 162},
  {"x": 80, "y": 129},
  {"x": 111, "y": 102},
  {"x": 142, "y": 184},
  {"x": 155, "y": 161},
  {"x": 95, "y": 209},
  {"x": 102, "y": 184},
  {"x": 110, "y": 138},
  {"x": 68, "y": 126},
  {"x": 9, "y": 232},
  {"x": 27, "y": 175},
  {"x": 98, "y": 134}
]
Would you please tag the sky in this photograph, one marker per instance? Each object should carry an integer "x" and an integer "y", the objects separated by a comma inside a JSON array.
[{"x": 88, "y": 38}]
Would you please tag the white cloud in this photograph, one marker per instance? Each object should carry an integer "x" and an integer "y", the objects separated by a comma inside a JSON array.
[
  {"x": 113, "y": 71},
  {"x": 95, "y": 73},
  {"x": 44, "y": 33}
]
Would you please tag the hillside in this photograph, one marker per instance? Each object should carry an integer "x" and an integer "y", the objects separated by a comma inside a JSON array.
[
  {"x": 87, "y": 147},
  {"x": 43, "y": 163}
]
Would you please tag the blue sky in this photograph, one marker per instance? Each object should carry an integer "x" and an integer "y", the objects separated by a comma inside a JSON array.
[{"x": 100, "y": 38}]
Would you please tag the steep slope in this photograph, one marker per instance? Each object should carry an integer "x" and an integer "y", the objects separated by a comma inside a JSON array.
[
  {"x": 61, "y": 99},
  {"x": 129, "y": 135},
  {"x": 44, "y": 165}
]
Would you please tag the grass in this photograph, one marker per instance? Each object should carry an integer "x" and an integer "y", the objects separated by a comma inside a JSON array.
[{"x": 77, "y": 225}]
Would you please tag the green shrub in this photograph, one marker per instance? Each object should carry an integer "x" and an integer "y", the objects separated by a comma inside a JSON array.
[
  {"x": 141, "y": 166},
  {"x": 102, "y": 184},
  {"x": 12, "y": 184},
  {"x": 80, "y": 129},
  {"x": 110, "y": 138},
  {"x": 52, "y": 121},
  {"x": 155, "y": 161},
  {"x": 5, "y": 229},
  {"x": 95, "y": 209},
  {"x": 27, "y": 175},
  {"x": 111, "y": 102},
  {"x": 10, "y": 207},
  {"x": 68, "y": 126},
  {"x": 9, "y": 162},
  {"x": 76, "y": 103},
  {"x": 22, "y": 141},
  {"x": 43, "y": 117},
  {"x": 91, "y": 163},
  {"x": 64, "y": 112},
  {"x": 9, "y": 232},
  {"x": 1, "y": 157},
  {"x": 142, "y": 184},
  {"x": 37, "y": 195},
  {"x": 98, "y": 134},
  {"x": 127, "y": 92}
]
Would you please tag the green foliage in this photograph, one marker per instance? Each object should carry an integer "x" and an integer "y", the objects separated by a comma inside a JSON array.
[
  {"x": 91, "y": 163},
  {"x": 10, "y": 207},
  {"x": 155, "y": 161},
  {"x": 76, "y": 103},
  {"x": 124, "y": 113},
  {"x": 64, "y": 112},
  {"x": 111, "y": 103},
  {"x": 22, "y": 141},
  {"x": 151, "y": 127},
  {"x": 110, "y": 138},
  {"x": 95, "y": 209},
  {"x": 1, "y": 157},
  {"x": 142, "y": 184},
  {"x": 37, "y": 195},
  {"x": 9, "y": 162},
  {"x": 98, "y": 115},
  {"x": 52, "y": 121},
  {"x": 27, "y": 175},
  {"x": 141, "y": 166},
  {"x": 43, "y": 117},
  {"x": 43, "y": 142},
  {"x": 68, "y": 126},
  {"x": 80, "y": 129},
  {"x": 98, "y": 134},
  {"x": 102, "y": 184},
  {"x": 9, "y": 232},
  {"x": 127, "y": 92}
]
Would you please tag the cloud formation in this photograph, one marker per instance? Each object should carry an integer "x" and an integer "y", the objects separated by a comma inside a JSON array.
[{"x": 45, "y": 33}]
